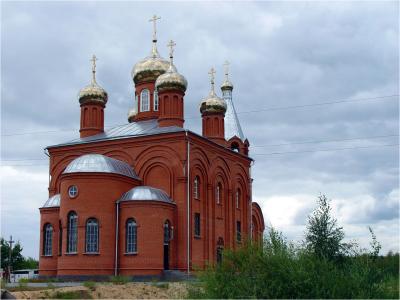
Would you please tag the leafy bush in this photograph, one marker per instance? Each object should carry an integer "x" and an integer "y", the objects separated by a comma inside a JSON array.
[
  {"x": 278, "y": 269},
  {"x": 119, "y": 279}
]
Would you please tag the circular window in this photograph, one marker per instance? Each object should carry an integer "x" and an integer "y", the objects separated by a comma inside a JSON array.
[{"x": 72, "y": 191}]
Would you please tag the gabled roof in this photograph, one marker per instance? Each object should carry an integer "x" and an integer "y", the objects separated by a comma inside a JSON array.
[{"x": 142, "y": 128}]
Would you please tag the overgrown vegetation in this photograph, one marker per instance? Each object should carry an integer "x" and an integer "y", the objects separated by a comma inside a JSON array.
[
  {"x": 322, "y": 267},
  {"x": 81, "y": 294},
  {"x": 90, "y": 285}
]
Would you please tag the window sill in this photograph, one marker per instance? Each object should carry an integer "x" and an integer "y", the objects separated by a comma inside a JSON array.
[
  {"x": 48, "y": 256},
  {"x": 130, "y": 253},
  {"x": 91, "y": 253},
  {"x": 71, "y": 253},
  {"x": 197, "y": 237}
]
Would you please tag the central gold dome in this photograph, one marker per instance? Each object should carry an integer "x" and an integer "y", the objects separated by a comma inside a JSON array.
[{"x": 149, "y": 68}]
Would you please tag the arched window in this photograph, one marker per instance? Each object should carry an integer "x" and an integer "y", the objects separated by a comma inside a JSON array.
[
  {"x": 218, "y": 193},
  {"x": 235, "y": 147},
  {"x": 131, "y": 236},
  {"x": 47, "y": 240},
  {"x": 196, "y": 193},
  {"x": 144, "y": 100},
  {"x": 72, "y": 232},
  {"x": 167, "y": 232},
  {"x": 60, "y": 236},
  {"x": 92, "y": 236},
  {"x": 238, "y": 196},
  {"x": 155, "y": 101}
]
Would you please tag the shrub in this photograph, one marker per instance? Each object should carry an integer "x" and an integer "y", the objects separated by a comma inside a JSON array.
[
  {"x": 278, "y": 269},
  {"x": 71, "y": 295}
]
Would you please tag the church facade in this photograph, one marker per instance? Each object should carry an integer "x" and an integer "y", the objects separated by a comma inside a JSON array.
[{"x": 149, "y": 195}]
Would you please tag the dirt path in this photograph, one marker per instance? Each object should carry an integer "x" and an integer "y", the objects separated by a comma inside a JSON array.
[{"x": 132, "y": 290}]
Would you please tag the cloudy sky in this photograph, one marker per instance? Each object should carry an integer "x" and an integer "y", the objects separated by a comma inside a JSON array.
[{"x": 316, "y": 88}]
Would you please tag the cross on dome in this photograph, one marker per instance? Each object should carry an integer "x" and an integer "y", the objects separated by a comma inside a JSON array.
[
  {"x": 226, "y": 68},
  {"x": 93, "y": 60},
  {"x": 171, "y": 46},
  {"x": 212, "y": 73},
  {"x": 154, "y": 20}
]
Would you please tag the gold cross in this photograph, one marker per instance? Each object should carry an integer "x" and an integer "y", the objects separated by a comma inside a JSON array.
[
  {"x": 212, "y": 72},
  {"x": 93, "y": 60},
  {"x": 226, "y": 67},
  {"x": 154, "y": 20},
  {"x": 171, "y": 45}
]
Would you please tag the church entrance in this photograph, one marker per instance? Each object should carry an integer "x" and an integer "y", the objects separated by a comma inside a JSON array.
[{"x": 166, "y": 256}]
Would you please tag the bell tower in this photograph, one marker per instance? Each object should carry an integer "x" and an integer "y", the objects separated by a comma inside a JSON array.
[{"x": 92, "y": 99}]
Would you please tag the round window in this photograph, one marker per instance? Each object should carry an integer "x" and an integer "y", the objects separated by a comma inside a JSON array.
[{"x": 72, "y": 191}]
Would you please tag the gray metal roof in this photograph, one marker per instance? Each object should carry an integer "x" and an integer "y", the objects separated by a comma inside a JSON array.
[
  {"x": 146, "y": 193},
  {"x": 133, "y": 129},
  {"x": 53, "y": 201},
  {"x": 100, "y": 163}
]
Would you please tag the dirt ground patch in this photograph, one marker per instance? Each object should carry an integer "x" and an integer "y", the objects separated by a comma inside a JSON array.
[{"x": 132, "y": 290}]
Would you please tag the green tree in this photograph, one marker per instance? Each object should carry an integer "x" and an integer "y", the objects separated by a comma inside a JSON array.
[
  {"x": 323, "y": 236},
  {"x": 17, "y": 260}
]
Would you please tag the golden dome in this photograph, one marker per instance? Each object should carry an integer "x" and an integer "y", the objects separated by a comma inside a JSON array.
[
  {"x": 93, "y": 93},
  {"x": 149, "y": 68},
  {"x": 171, "y": 79},
  {"x": 132, "y": 114},
  {"x": 227, "y": 85},
  {"x": 213, "y": 103}
]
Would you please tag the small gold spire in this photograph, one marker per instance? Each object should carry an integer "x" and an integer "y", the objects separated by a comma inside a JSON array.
[
  {"x": 212, "y": 72},
  {"x": 93, "y": 60},
  {"x": 154, "y": 20},
  {"x": 226, "y": 68},
  {"x": 171, "y": 46}
]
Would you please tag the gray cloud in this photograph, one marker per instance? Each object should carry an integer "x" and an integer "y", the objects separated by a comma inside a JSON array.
[{"x": 282, "y": 54}]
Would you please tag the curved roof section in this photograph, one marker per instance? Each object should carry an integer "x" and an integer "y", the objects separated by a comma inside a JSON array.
[
  {"x": 97, "y": 163},
  {"x": 53, "y": 201},
  {"x": 146, "y": 193}
]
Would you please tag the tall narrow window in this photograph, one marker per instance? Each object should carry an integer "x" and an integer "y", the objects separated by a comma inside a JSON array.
[
  {"x": 238, "y": 231},
  {"x": 72, "y": 232},
  {"x": 47, "y": 240},
  {"x": 144, "y": 100},
  {"x": 218, "y": 193},
  {"x": 92, "y": 236},
  {"x": 167, "y": 232},
  {"x": 238, "y": 198},
  {"x": 155, "y": 101},
  {"x": 131, "y": 236},
  {"x": 60, "y": 237},
  {"x": 196, "y": 187},
  {"x": 197, "y": 225}
]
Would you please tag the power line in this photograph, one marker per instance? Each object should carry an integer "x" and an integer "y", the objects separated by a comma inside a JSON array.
[
  {"x": 325, "y": 150},
  {"x": 386, "y": 97},
  {"x": 326, "y": 141},
  {"x": 260, "y": 154},
  {"x": 259, "y": 146}
]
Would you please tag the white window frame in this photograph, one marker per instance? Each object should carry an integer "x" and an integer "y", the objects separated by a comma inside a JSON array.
[
  {"x": 92, "y": 236},
  {"x": 156, "y": 101},
  {"x": 48, "y": 240},
  {"x": 72, "y": 233},
  {"x": 145, "y": 100},
  {"x": 131, "y": 236},
  {"x": 196, "y": 187}
]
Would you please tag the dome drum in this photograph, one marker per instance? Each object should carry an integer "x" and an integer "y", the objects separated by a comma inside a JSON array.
[{"x": 213, "y": 105}]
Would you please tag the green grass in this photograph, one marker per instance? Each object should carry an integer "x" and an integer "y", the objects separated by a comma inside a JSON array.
[
  {"x": 90, "y": 285},
  {"x": 71, "y": 295},
  {"x": 119, "y": 279}
]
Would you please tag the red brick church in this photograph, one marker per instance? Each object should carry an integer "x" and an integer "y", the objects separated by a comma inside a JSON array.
[{"x": 149, "y": 195}]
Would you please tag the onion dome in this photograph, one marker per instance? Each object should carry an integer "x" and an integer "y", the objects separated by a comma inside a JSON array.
[
  {"x": 132, "y": 114},
  {"x": 226, "y": 85},
  {"x": 93, "y": 93},
  {"x": 145, "y": 193},
  {"x": 97, "y": 163},
  {"x": 149, "y": 68},
  {"x": 171, "y": 79},
  {"x": 212, "y": 103}
]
